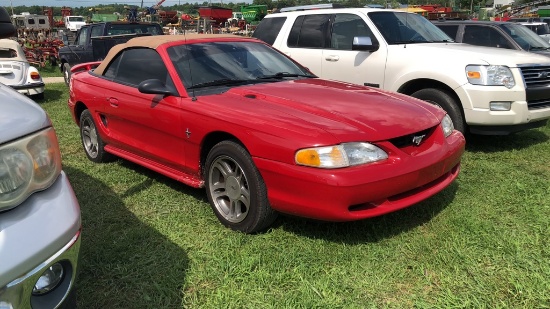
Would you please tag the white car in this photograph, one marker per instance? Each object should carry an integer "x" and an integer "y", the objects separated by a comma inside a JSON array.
[{"x": 16, "y": 71}]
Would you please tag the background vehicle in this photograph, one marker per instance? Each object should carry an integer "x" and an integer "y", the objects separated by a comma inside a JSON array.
[
  {"x": 495, "y": 34},
  {"x": 540, "y": 28},
  {"x": 406, "y": 53},
  {"x": 16, "y": 72},
  {"x": 260, "y": 132},
  {"x": 39, "y": 214},
  {"x": 93, "y": 41},
  {"x": 73, "y": 23}
]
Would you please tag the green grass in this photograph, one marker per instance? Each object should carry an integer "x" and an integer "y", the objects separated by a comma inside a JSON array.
[
  {"x": 151, "y": 242},
  {"x": 49, "y": 71}
]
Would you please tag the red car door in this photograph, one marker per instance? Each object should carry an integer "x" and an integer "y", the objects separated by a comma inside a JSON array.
[{"x": 144, "y": 125}]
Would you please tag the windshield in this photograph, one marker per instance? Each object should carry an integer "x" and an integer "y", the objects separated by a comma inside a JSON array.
[
  {"x": 404, "y": 28},
  {"x": 229, "y": 63},
  {"x": 76, "y": 18},
  {"x": 526, "y": 38}
]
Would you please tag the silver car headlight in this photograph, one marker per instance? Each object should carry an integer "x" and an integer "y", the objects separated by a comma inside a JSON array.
[
  {"x": 490, "y": 75},
  {"x": 28, "y": 165},
  {"x": 342, "y": 155},
  {"x": 447, "y": 125}
]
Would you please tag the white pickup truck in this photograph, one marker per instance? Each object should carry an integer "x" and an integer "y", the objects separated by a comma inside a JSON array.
[
  {"x": 485, "y": 90},
  {"x": 73, "y": 23}
]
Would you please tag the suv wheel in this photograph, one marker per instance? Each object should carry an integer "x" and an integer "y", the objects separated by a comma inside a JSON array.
[{"x": 445, "y": 101}]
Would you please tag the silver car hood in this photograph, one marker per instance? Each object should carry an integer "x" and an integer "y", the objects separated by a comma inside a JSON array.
[{"x": 19, "y": 115}]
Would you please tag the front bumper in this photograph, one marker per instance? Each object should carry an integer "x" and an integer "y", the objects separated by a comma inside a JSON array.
[
  {"x": 364, "y": 191},
  {"x": 30, "y": 89},
  {"x": 35, "y": 235},
  {"x": 476, "y": 102}
]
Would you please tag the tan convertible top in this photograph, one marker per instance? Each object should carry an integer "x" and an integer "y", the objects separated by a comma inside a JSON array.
[{"x": 154, "y": 42}]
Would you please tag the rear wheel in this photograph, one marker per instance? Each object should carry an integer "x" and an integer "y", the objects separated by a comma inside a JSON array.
[
  {"x": 236, "y": 190},
  {"x": 445, "y": 101},
  {"x": 66, "y": 73},
  {"x": 91, "y": 140}
]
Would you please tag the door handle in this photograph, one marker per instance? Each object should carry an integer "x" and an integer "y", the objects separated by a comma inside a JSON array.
[
  {"x": 332, "y": 58},
  {"x": 113, "y": 102}
]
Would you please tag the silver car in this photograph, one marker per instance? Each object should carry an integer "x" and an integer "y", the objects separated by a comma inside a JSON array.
[{"x": 39, "y": 214}]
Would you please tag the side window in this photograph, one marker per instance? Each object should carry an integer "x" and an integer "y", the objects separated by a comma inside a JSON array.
[
  {"x": 82, "y": 37},
  {"x": 344, "y": 28},
  {"x": 484, "y": 36},
  {"x": 96, "y": 31},
  {"x": 268, "y": 29},
  {"x": 450, "y": 30},
  {"x": 133, "y": 66},
  {"x": 111, "y": 70},
  {"x": 309, "y": 31}
]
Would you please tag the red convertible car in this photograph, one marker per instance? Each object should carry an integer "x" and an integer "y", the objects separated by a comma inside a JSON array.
[{"x": 260, "y": 132}]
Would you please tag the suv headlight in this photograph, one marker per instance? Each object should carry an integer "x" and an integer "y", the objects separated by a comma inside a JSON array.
[
  {"x": 490, "y": 75},
  {"x": 28, "y": 165},
  {"x": 342, "y": 155}
]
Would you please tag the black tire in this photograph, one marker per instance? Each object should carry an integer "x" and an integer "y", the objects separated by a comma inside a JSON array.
[
  {"x": 447, "y": 102},
  {"x": 91, "y": 140},
  {"x": 66, "y": 73},
  {"x": 236, "y": 190},
  {"x": 53, "y": 61}
]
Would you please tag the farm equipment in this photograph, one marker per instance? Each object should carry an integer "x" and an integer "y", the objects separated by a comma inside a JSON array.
[
  {"x": 215, "y": 15},
  {"x": 252, "y": 14},
  {"x": 155, "y": 14},
  {"x": 38, "y": 38}
]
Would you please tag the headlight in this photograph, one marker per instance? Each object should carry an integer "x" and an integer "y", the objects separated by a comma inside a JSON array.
[
  {"x": 490, "y": 75},
  {"x": 28, "y": 165},
  {"x": 342, "y": 155},
  {"x": 447, "y": 125}
]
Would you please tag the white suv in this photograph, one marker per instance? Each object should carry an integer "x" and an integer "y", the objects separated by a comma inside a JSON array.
[{"x": 484, "y": 90}]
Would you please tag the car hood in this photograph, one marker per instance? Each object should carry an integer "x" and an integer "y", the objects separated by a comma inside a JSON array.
[
  {"x": 443, "y": 52},
  {"x": 20, "y": 115},
  {"x": 344, "y": 110}
]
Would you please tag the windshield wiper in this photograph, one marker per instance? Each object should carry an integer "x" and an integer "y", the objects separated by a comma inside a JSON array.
[
  {"x": 221, "y": 82},
  {"x": 281, "y": 75}
]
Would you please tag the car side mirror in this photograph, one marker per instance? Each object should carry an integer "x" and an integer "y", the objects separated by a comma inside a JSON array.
[
  {"x": 154, "y": 86},
  {"x": 364, "y": 43},
  {"x": 7, "y": 29}
]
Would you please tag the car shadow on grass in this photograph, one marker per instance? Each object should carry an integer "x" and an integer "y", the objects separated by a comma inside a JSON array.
[
  {"x": 372, "y": 229},
  {"x": 124, "y": 263},
  {"x": 520, "y": 140},
  {"x": 367, "y": 230},
  {"x": 50, "y": 95}
]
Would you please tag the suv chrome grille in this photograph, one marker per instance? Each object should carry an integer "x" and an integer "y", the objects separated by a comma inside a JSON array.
[
  {"x": 536, "y": 104},
  {"x": 536, "y": 77}
]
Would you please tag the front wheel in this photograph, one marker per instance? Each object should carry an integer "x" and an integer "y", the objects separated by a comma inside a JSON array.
[
  {"x": 66, "y": 73},
  {"x": 445, "y": 101},
  {"x": 91, "y": 140},
  {"x": 236, "y": 190}
]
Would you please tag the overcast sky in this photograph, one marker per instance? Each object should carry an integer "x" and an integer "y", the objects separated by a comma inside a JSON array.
[{"x": 86, "y": 3}]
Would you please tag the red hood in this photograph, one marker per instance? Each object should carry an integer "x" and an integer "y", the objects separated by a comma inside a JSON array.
[{"x": 343, "y": 109}]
